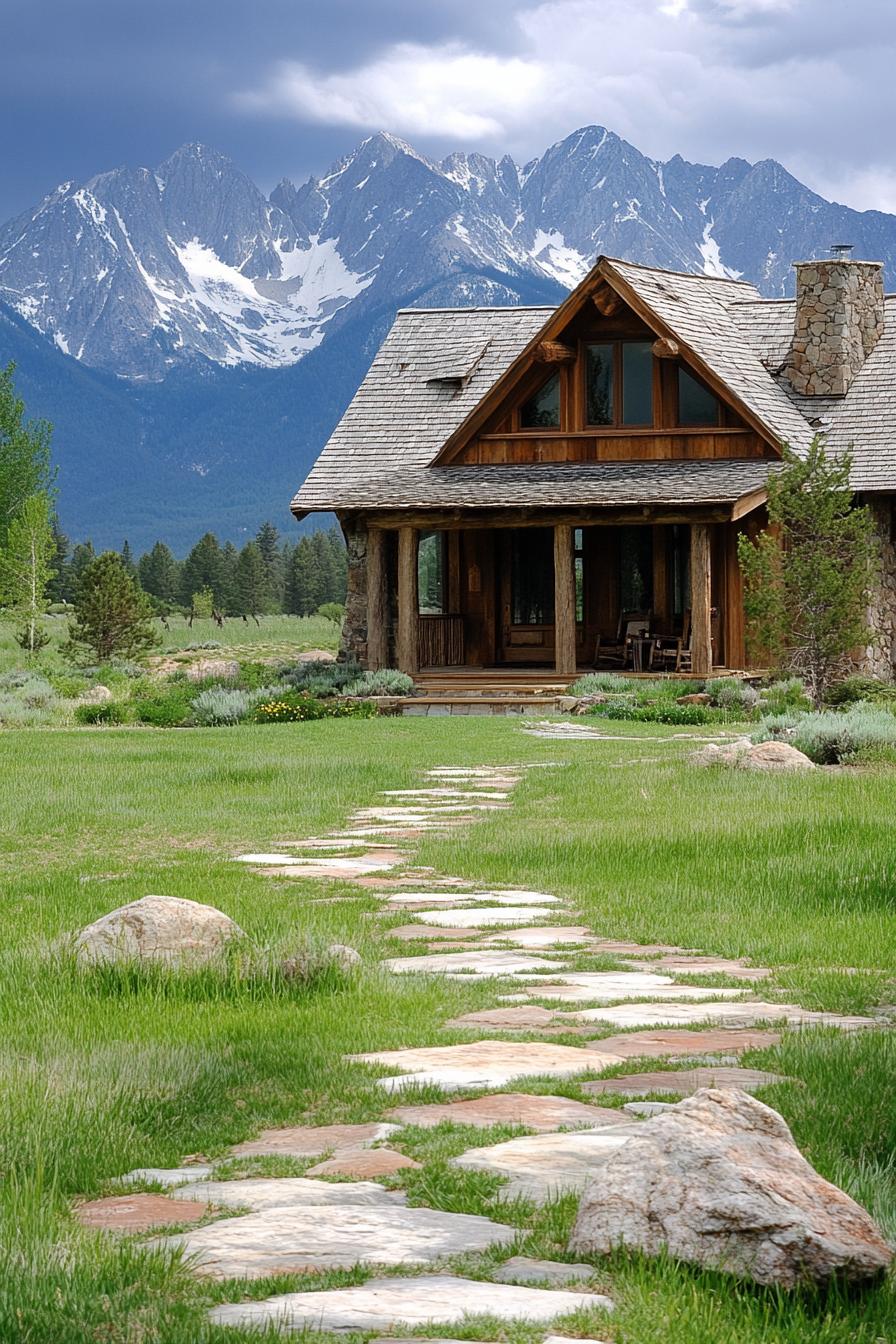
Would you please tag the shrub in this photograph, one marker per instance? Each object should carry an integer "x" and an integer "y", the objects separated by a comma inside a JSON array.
[
  {"x": 665, "y": 711},
  {"x": 17, "y": 677},
  {"x": 326, "y": 677},
  {"x": 14, "y": 713},
  {"x": 831, "y": 738},
  {"x": 732, "y": 694},
  {"x": 599, "y": 683},
  {"x": 219, "y": 705},
  {"x": 854, "y": 689},
  {"x": 109, "y": 713},
  {"x": 781, "y": 696},
  {"x": 168, "y": 707},
  {"x": 34, "y": 692},
  {"x": 68, "y": 685},
  {"x": 195, "y": 648},
  {"x": 385, "y": 681},
  {"x": 299, "y": 707},
  {"x": 332, "y": 611}
]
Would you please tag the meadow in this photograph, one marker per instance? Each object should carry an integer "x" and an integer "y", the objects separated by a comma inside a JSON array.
[{"x": 101, "y": 1074}]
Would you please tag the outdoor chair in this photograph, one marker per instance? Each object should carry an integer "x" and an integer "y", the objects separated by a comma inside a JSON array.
[
  {"x": 673, "y": 652},
  {"x": 616, "y": 650}
]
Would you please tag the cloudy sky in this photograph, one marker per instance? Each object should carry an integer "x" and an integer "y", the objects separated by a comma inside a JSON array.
[{"x": 286, "y": 86}]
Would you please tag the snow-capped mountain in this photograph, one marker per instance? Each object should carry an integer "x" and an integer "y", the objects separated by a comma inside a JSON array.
[{"x": 140, "y": 272}]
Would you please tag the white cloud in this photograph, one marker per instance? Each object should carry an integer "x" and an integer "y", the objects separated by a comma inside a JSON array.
[
  {"x": 412, "y": 89},
  {"x": 709, "y": 79}
]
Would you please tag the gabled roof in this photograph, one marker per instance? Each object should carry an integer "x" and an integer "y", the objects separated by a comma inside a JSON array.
[{"x": 436, "y": 367}]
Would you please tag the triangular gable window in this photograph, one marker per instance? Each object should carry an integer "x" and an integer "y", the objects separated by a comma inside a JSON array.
[
  {"x": 696, "y": 404},
  {"x": 542, "y": 410}
]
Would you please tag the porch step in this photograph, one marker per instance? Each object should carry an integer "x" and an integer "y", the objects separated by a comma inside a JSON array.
[{"x": 434, "y": 705}]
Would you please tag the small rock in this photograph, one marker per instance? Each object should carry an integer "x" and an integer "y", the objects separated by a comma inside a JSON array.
[
  {"x": 718, "y": 1181},
  {"x": 697, "y": 698},
  {"x": 157, "y": 929},
  {"x": 345, "y": 957},
  {"x": 223, "y": 669},
  {"x": 520, "y": 1269}
]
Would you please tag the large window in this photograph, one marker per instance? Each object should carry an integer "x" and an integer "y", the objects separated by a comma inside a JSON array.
[
  {"x": 532, "y": 576},
  {"x": 578, "y": 544},
  {"x": 696, "y": 404},
  {"x": 619, "y": 383},
  {"x": 542, "y": 410},
  {"x": 431, "y": 574},
  {"x": 636, "y": 568}
]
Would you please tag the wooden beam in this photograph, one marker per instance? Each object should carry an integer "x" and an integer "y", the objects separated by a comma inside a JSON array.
[
  {"x": 406, "y": 652},
  {"x": 582, "y": 516},
  {"x": 554, "y": 352},
  {"x": 377, "y": 601},
  {"x": 606, "y": 300},
  {"x": 564, "y": 602},
  {"x": 665, "y": 348},
  {"x": 701, "y": 600},
  {"x": 747, "y": 503}
]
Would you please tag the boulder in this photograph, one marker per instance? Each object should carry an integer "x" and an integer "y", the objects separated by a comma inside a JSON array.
[
  {"x": 157, "y": 929},
  {"x": 345, "y": 957},
  {"x": 96, "y": 695},
  {"x": 696, "y": 698},
  {"x": 718, "y": 1181},
  {"x": 225, "y": 669},
  {"x": 746, "y": 755}
]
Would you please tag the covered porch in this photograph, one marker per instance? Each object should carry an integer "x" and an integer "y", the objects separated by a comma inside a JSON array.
[{"x": 535, "y": 599}]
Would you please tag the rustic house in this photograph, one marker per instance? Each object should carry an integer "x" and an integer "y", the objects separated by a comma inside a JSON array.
[{"x": 564, "y": 488}]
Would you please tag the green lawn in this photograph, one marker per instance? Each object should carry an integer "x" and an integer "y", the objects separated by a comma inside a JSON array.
[{"x": 107, "y": 1073}]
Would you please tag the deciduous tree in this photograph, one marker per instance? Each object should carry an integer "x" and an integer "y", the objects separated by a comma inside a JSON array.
[
  {"x": 24, "y": 454},
  {"x": 25, "y": 569}
]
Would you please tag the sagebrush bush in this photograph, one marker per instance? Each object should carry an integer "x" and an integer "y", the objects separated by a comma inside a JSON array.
[
  {"x": 786, "y": 695},
  {"x": 732, "y": 694},
  {"x": 385, "y": 681},
  {"x": 327, "y": 678},
  {"x": 14, "y": 713},
  {"x": 664, "y": 711},
  {"x": 598, "y": 683},
  {"x": 110, "y": 713},
  {"x": 853, "y": 689},
  {"x": 221, "y": 705},
  {"x": 833, "y": 738}
]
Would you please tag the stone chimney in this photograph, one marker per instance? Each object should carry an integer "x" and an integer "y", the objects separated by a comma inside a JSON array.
[{"x": 839, "y": 320}]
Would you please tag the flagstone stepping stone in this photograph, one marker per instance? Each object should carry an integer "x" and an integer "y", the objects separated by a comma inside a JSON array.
[
  {"x": 164, "y": 1175},
  {"x": 363, "y": 1163},
  {"x": 626, "y": 949},
  {"x": 286, "y": 865},
  {"x": 312, "y": 1140},
  {"x": 137, "y": 1213},
  {"x": 543, "y": 1114},
  {"x": 482, "y": 1063},
  {"x": 257, "y": 1193},
  {"x": 520, "y": 1269},
  {"x": 593, "y": 986},
  {"x": 706, "y": 966},
  {"x": 680, "y": 1044},
  {"x": 470, "y": 963},
  {"x": 468, "y": 918},
  {"x": 546, "y": 935},
  {"x": 410, "y": 933},
  {"x": 485, "y": 795},
  {"x": 566, "y": 1339},
  {"x": 527, "y": 1017},
  {"x": 738, "y": 1014},
  {"x": 298, "y": 1240},
  {"x": 541, "y": 1166},
  {"x": 466, "y": 897},
  {"x": 683, "y": 1082},
  {"x": 383, "y": 1304}
]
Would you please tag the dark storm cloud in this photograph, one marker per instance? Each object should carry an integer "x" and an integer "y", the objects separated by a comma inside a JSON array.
[{"x": 284, "y": 86}]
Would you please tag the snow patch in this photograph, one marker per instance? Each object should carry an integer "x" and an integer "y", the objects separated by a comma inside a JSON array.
[
  {"x": 712, "y": 258},
  {"x": 564, "y": 263}
]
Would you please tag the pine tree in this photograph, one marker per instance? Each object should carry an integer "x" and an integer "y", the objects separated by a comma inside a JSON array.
[
  {"x": 229, "y": 559},
  {"x": 807, "y": 578},
  {"x": 57, "y": 586},
  {"x": 127, "y": 559},
  {"x": 268, "y": 541},
  {"x": 82, "y": 556},
  {"x": 327, "y": 585},
  {"x": 204, "y": 568},
  {"x": 340, "y": 563},
  {"x": 159, "y": 573},
  {"x": 112, "y": 615},
  {"x": 25, "y": 568},
  {"x": 303, "y": 586},
  {"x": 252, "y": 592},
  {"x": 24, "y": 454}
]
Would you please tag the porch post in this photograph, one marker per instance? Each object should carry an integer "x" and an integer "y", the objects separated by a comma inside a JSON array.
[
  {"x": 377, "y": 601},
  {"x": 406, "y": 641},
  {"x": 564, "y": 602},
  {"x": 701, "y": 600}
]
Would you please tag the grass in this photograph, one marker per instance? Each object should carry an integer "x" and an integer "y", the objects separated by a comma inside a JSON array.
[{"x": 103, "y": 1073}]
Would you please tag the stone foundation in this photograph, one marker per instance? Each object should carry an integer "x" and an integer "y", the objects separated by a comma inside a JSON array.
[{"x": 879, "y": 658}]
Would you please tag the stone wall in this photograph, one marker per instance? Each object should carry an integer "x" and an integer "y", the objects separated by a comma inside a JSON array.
[
  {"x": 879, "y": 657},
  {"x": 353, "y": 643},
  {"x": 839, "y": 320}
]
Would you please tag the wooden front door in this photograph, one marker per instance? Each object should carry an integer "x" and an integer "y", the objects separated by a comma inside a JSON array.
[{"x": 526, "y": 595}]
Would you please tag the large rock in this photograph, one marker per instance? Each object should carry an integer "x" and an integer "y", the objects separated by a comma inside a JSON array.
[
  {"x": 718, "y": 1181},
  {"x": 205, "y": 669},
  {"x": 746, "y": 755},
  {"x": 157, "y": 929}
]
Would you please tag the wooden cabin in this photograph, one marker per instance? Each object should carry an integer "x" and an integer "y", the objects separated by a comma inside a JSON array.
[{"x": 523, "y": 487}]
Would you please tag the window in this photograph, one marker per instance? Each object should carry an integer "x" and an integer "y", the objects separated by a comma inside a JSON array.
[
  {"x": 431, "y": 574},
  {"x": 681, "y": 570},
  {"x": 619, "y": 383},
  {"x": 696, "y": 404},
  {"x": 542, "y": 410},
  {"x": 532, "y": 576},
  {"x": 636, "y": 569},
  {"x": 578, "y": 550}
]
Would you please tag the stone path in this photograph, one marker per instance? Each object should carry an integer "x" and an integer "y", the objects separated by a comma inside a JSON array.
[{"x": 527, "y": 942}]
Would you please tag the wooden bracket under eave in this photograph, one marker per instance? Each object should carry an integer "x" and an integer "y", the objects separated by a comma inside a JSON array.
[
  {"x": 665, "y": 348},
  {"x": 607, "y": 302},
  {"x": 554, "y": 352},
  {"x": 747, "y": 503}
]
